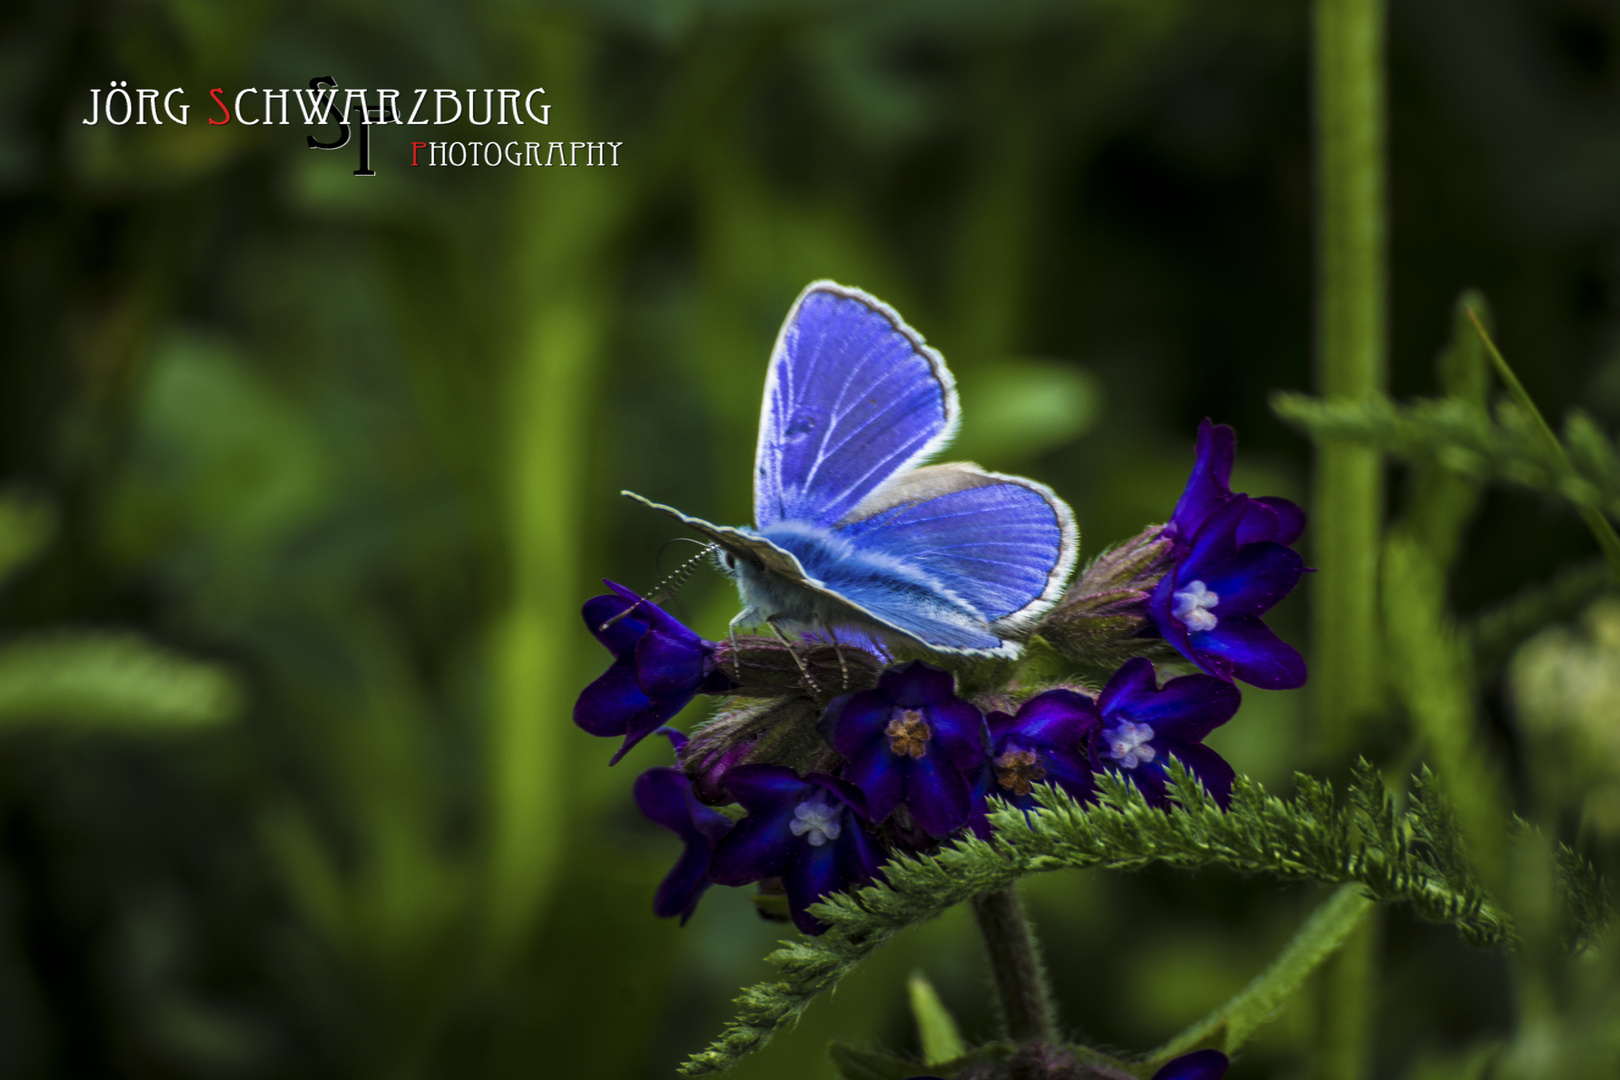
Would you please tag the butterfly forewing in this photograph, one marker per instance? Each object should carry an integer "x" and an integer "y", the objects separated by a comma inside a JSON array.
[{"x": 852, "y": 397}]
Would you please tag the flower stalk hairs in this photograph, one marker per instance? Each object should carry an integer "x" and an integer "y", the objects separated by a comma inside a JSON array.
[{"x": 912, "y": 658}]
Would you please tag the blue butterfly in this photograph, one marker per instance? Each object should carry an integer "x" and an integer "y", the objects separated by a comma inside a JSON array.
[{"x": 850, "y": 528}]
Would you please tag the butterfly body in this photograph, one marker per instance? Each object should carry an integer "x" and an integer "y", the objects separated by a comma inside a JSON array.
[{"x": 850, "y": 528}]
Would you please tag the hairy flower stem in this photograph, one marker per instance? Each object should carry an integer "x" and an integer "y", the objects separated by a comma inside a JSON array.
[
  {"x": 1351, "y": 359},
  {"x": 1016, "y": 963},
  {"x": 1352, "y": 286}
]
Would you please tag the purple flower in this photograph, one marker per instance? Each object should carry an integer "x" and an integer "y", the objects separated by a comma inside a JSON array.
[
  {"x": 1231, "y": 565},
  {"x": 1209, "y": 488},
  {"x": 658, "y": 666},
  {"x": 1143, "y": 723},
  {"x": 911, "y": 741},
  {"x": 1046, "y": 742},
  {"x": 809, "y": 831},
  {"x": 1198, "y": 1065},
  {"x": 665, "y": 797}
]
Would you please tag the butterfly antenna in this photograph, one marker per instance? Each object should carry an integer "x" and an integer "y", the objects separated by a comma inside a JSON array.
[
  {"x": 664, "y": 589},
  {"x": 808, "y": 678},
  {"x": 682, "y": 574},
  {"x": 620, "y": 617}
]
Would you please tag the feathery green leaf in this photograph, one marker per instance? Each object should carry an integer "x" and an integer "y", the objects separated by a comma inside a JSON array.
[{"x": 1308, "y": 838}]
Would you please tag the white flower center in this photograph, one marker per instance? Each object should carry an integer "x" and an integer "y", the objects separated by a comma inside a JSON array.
[
  {"x": 1192, "y": 606},
  {"x": 1128, "y": 744},
  {"x": 816, "y": 821}
]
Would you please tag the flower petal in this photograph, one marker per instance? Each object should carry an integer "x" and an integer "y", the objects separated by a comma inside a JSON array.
[
  {"x": 1183, "y": 710},
  {"x": 1206, "y": 1064},
  {"x": 662, "y": 793},
  {"x": 608, "y": 706},
  {"x": 937, "y": 795},
  {"x": 619, "y": 636},
  {"x": 1290, "y": 518},
  {"x": 1209, "y": 486},
  {"x": 917, "y": 686},
  {"x": 959, "y": 733},
  {"x": 1129, "y": 688},
  {"x": 881, "y": 775},
  {"x": 1199, "y": 1065},
  {"x": 759, "y": 787},
  {"x": 1055, "y": 718},
  {"x": 684, "y": 885},
  {"x": 759, "y": 846},
  {"x": 669, "y": 665},
  {"x": 1245, "y": 648},
  {"x": 860, "y": 721},
  {"x": 1250, "y": 579}
]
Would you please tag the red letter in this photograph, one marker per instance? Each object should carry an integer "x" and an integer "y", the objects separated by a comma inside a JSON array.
[
  {"x": 415, "y": 146},
  {"x": 214, "y": 93}
]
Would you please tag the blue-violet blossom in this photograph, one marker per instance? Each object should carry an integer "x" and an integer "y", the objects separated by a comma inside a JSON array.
[
  {"x": 665, "y": 797},
  {"x": 809, "y": 831},
  {"x": 1231, "y": 565},
  {"x": 1046, "y": 742},
  {"x": 911, "y": 741},
  {"x": 1198, "y": 1065},
  {"x": 1143, "y": 723},
  {"x": 658, "y": 667}
]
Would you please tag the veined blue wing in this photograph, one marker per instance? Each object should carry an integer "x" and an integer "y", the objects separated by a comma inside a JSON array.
[
  {"x": 1004, "y": 544},
  {"x": 874, "y": 593},
  {"x": 852, "y": 397}
]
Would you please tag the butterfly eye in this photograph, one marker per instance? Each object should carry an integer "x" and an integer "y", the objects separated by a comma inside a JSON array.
[{"x": 730, "y": 560}]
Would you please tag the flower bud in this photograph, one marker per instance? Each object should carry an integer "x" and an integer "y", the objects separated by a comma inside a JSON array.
[
  {"x": 754, "y": 731},
  {"x": 1108, "y": 604}
]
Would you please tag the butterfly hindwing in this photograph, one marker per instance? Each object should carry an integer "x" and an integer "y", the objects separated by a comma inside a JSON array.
[
  {"x": 852, "y": 396},
  {"x": 1003, "y": 544},
  {"x": 873, "y": 596}
]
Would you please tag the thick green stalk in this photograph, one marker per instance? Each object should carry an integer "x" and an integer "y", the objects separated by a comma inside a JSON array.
[
  {"x": 1351, "y": 365},
  {"x": 1015, "y": 962},
  {"x": 1351, "y": 358}
]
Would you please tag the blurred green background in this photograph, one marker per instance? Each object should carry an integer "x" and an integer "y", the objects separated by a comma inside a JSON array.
[{"x": 325, "y": 465}]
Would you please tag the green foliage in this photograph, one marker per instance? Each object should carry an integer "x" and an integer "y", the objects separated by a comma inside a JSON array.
[
  {"x": 936, "y": 1028},
  {"x": 1494, "y": 633},
  {"x": 1504, "y": 446},
  {"x": 26, "y": 525},
  {"x": 110, "y": 681},
  {"x": 1235, "y": 1022},
  {"x": 1412, "y": 857}
]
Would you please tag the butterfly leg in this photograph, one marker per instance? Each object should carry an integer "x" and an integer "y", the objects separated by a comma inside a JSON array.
[
  {"x": 809, "y": 679},
  {"x": 843, "y": 666},
  {"x": 740, "y": 619}
]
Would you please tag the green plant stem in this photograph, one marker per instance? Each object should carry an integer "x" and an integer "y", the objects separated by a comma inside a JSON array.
[
  {"x": 1351, "y": 359},
  {"x": 1346, "y": 1003},
  {"x": 1602, "y": 531},
  {"x": 1016, "y": 964},
  {"x": 1351, "y": 365}
]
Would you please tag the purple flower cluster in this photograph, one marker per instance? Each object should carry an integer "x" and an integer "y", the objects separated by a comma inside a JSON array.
[
  {"x": 918, "y": 764},
  {"x": 908, "y": 763}
]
